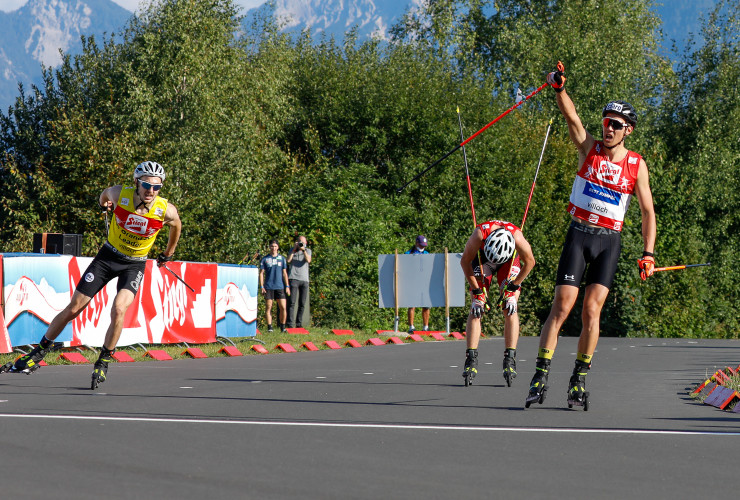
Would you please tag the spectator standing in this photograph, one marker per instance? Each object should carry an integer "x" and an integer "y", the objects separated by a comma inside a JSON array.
[
  {"x": 274, "y": 284},
  {"x": 299, "y": 259},
  {"x": 419, "y": 248}
]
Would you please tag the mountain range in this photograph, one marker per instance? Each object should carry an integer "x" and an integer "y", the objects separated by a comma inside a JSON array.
[{"x": 34, "y": 34}]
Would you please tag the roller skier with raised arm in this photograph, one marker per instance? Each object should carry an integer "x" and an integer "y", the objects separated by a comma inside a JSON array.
[{"x": 608, "y": 176}]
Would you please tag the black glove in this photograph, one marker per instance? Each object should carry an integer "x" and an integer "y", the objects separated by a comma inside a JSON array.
[
  {"x": 162, "y": 259},
  {"x": 556, "y": 79}
]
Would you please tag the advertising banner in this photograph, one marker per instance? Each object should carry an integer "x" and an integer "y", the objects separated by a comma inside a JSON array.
[
  {"x": 236, "y": 301},
  {"x": 37, "y": 287}
]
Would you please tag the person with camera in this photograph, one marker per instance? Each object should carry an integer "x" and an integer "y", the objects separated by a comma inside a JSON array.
[{"x": 299, "y": 259}]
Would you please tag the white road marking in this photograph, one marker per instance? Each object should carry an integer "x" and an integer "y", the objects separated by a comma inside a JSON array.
[{"x": 656, "y": 432}]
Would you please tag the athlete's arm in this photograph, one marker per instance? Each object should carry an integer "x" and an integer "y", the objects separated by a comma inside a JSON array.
[
  {"x": 526, "y": 257},
  {"x": 577, "y": 133},
  {"x": 172, "y": 219},
  {"x": 471, "y": 250},
  {"x": 109, "y": 197},
  {"x": 647, "y": 209}
]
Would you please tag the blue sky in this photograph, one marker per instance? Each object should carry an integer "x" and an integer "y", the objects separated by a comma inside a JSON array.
[{"x": 11, "y": 5}]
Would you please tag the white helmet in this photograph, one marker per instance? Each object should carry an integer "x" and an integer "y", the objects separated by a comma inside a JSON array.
[
  {"x": 149, "y": 169},
  {"x": 499, "y": 246}
]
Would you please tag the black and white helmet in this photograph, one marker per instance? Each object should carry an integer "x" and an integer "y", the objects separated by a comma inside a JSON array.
[
  {"x": 499, "y": 246},
  {"x": 622, "y": 108},
  {"x": 149, "y": 169}
]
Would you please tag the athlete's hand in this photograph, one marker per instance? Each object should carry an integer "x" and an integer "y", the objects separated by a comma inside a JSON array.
[
  {"x": 162, "y": 259},
  {"x": 479, "y": 305},
  {"x": 646, "y": 265},
  {"x": 106, "y": 206},
  {"x": 556, "y": 79},
  {"x": 509, "y": 301}
]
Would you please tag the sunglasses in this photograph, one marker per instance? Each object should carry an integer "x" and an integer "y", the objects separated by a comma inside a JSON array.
[
  {"x": 614, "y": 124},
  {"x": 147, "y": 186}
]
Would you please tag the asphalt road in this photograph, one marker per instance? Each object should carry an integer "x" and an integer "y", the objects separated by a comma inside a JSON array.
[{"x": 375, "y": 422}]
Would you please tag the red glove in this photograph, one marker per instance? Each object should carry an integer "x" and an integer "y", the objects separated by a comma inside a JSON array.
[
  {"x": 646, "y": 265},
  {"x": 479, "y": 304},
  {"x": 508, "y": 297},
  {"x": 556, "y": 79}
]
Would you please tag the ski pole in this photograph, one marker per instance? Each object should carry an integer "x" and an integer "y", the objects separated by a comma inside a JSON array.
[
  {"x": 467, "y": 174},
  {"x": 531, "y": 191},
  {"x": 173, "y": 273},
  {"x": 676, "y": 268},
  {"x": 526, "y": 210},
  {"x": 255, "y": 256},
  {"x": 463, "y": 143}
]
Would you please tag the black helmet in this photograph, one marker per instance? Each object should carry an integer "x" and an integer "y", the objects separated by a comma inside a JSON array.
[{"x": 623, "y": 109}]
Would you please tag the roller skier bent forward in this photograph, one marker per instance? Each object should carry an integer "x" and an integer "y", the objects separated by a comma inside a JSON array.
[{"x": 491, "y": 250}]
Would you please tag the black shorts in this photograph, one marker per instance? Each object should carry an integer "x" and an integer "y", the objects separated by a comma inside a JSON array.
[
  {"x": 107, "y": 265},
  {"x": 274, "y": 294},
  {"x": 598, "y": 248}
]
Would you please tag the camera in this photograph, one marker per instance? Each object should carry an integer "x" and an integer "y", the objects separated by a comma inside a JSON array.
[{"x": 299, "y": 244}]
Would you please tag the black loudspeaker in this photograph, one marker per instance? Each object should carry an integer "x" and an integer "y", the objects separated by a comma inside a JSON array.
[{"x": 66, "y": 244}]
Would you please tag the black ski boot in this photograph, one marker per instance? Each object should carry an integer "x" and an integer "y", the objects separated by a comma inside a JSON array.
[
  {"x": 100, "y": 370},
  {"x": 471, "y": 366},
  {"x": 29, "y": 363},
  {"x": 509, "y": 366},
  {"x": 538, "y": 385},
  {"x": 577, "y": 393}
]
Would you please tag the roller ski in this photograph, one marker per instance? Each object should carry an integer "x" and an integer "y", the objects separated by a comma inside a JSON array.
[
  {"x": 471, "y": 366},
  {"x": 100, "y": 370},
  {"x": 509, "y": 366},
  {"x": 577, "y": 393},
  {"x": 29, "y": 363},
  {"x": 538, "y": 386}
]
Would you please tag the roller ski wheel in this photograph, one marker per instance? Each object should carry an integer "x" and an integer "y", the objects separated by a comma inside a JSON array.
[
  {"x": 100, "y": 371},
  {"x": 29, "y": 363},
  {"x": 577, "y": 393},
  {"x": 582, "y": 401},
  {"x": 471, "y": 366},
  {"x": 509, "y": 370},
  {"x": 10, "y": 368},
  {"x": 536, "y": 396}
]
